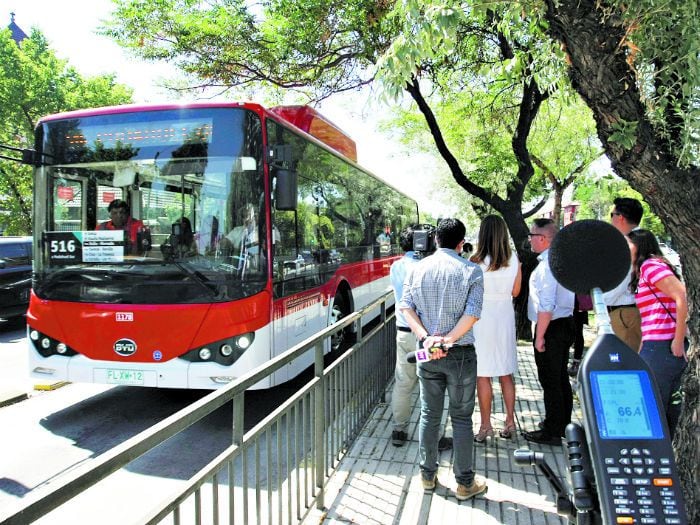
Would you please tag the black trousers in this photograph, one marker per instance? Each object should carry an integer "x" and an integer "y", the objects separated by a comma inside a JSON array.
[
  {"x": 580, "y": 319},
  {"x": 551, "y": 371}
]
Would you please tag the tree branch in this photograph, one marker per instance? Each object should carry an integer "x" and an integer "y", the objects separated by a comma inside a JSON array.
[
  {"x": 494, "y": 200},
  {"x": 537, "y": 207}
]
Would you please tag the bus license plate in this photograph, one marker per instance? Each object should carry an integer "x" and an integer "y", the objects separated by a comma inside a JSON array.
[{"x": 125, "y": 377}]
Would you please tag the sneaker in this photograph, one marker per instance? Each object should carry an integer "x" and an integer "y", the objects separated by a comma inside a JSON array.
[
  {"x": 398, "y": 438},
  {"x": 477, "y": 487},
  {"x": 429, "y": 484},
  {"x": 573, "y": 369},
  {"x": 543, "y": 438},
  {"x": 444, "y": 443}
]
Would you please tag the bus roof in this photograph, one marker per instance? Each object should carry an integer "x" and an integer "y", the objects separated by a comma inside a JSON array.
[
  {"x": 312, "y": 122},
  {"x": 129, "y": 108},
  {"x": 304, "y": 118}
]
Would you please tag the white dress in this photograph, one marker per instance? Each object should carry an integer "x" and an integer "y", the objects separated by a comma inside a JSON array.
[{"x": 496, "y": 347}]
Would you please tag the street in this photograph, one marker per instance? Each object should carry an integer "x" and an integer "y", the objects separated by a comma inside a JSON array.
[{"x": 52, "y": 432}]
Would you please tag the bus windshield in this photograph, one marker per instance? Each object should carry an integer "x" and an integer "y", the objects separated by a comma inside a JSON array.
[{"x": 151, "y": 207}]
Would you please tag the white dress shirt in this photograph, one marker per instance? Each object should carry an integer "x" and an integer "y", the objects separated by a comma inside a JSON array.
[
  {"x": 620, "y": 295},
  {"x": 546, "y": 294}
]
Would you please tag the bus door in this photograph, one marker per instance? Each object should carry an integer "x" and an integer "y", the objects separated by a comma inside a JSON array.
[{"x": 300, "y": 310}]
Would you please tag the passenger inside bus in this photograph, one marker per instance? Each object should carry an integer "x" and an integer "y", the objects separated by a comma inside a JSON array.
[
  {"x": 384, "y": 241},
  {"x": 138, "y": 238},
  {"x": 181, "y": 242},
  {"x": 242, "y": 241},
  {"x": 207, "y": 238},
  {"x": 244, "y": 233}
]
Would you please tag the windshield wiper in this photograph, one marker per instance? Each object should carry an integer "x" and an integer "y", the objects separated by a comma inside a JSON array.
[
  {"x": 197, "y": 276},
  {"x": 82, "y": 273}
]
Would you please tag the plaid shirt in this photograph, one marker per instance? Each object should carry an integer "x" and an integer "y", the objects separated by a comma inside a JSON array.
[{"x": 441, "y": 289}]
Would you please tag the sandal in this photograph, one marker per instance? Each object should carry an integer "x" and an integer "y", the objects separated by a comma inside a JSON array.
[
  {"x": 483, "y": 433},
  {"x": 508, "y": 431}
]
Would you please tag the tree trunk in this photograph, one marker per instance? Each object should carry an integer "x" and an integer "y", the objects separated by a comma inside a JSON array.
[
  {"x": 558, "y": 197},
  {"x": 601, "y": 75},
  {"x": 518, "y": 231},
  {"x": 510, "y": 207}
]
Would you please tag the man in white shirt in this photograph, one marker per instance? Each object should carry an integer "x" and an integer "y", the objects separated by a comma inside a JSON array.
[
  {"x": 550, "y": 307},
  {"x": 624, "y": 316}
]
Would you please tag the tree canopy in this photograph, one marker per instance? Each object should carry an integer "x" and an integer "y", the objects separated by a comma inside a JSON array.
[
  {"x": 478, "y": 129},
  {"x": 34, "y": 82}
]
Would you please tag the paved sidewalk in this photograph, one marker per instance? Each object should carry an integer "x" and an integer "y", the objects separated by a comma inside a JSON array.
[{"x": 377, "y": 483}]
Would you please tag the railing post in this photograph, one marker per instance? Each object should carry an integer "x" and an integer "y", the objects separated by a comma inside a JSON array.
[
  {"x": 238, "y": 417},
  {"x": 237, "y": 439},
  {"x": 319, "y": 425},
  {"x": 385, "y": 344}
]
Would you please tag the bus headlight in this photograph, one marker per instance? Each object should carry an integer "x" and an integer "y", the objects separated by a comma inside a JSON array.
[
  {"x": 48, "y": 346},
  {"x": 223, "y": 352},
  {"x": 244, "y": 341}
]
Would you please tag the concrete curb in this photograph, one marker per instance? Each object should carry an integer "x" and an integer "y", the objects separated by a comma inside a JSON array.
[
  {"x": 9, "y": 397},
  {"x": 51, "y": 386}
]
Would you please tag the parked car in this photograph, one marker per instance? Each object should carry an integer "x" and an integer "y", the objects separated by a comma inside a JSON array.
[{"x": 15, "y": 275}]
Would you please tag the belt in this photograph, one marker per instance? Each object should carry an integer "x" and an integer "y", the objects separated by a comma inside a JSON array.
[
  {"x": 403, "y": 328},
  {"x": 567, "y": 318},
  {"x": 460, "y": 347},
  {"x": 616, "y": 306}
]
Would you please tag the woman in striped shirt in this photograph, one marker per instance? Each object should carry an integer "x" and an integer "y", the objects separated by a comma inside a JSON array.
[{"x": 661, "y": 298}]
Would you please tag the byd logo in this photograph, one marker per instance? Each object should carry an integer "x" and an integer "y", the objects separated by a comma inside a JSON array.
[{"x": 125, "y": 347}]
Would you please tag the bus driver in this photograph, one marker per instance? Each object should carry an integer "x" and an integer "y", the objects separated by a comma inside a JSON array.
[{"x": 121, "y": 220}]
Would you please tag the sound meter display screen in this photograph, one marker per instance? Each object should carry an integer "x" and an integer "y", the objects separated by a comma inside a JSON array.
[{"x": 624, "y": 405}]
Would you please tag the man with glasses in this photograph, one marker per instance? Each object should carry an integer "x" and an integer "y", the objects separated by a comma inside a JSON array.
[
  {"x": 624, "y": 316},
  {"x": 550, "y": 307}
]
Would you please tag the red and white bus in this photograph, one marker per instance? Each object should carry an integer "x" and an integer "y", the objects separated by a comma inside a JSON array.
[{"x": 284, "y": 234}]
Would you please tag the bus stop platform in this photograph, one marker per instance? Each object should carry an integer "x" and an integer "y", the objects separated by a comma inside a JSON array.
[{"x": 378, "y": 483}]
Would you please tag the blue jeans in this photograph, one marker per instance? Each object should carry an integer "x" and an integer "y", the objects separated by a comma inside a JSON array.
[
  {"x": 667, "y": 370},
  {"x": 455, "y": 373}
]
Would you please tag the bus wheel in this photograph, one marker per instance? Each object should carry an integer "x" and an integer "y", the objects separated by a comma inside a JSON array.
[{"x": 341, "y": 308}]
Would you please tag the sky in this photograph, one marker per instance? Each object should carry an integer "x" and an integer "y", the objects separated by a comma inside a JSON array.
[{"x": 70, "y": 27}]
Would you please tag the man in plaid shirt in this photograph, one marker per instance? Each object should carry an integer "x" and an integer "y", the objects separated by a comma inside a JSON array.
[{"x": 441, "y": 301}]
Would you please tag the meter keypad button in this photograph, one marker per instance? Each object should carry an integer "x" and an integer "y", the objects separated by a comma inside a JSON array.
[{"x": 653, "y": 500}]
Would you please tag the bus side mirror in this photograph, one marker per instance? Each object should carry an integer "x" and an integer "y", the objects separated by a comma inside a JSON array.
[
  {"x": 21, "y": 155},
  {"x": 286, "y": 190}
]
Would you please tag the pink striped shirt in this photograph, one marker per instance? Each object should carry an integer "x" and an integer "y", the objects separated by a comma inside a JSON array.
[{"x": 657, "y": 324}]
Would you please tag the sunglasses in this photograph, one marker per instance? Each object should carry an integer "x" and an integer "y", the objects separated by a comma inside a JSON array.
[
  {"x": 612, "y": 214},
  {"x": 531, "y": 235}
]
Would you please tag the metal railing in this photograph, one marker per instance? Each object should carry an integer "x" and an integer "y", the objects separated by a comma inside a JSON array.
[{"x": 277, "y": 470}]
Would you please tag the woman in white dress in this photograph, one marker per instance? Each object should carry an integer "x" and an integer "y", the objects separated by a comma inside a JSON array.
[{"x": 496, "y": 347}]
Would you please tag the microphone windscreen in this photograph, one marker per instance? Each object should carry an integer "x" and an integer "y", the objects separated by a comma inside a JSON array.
[
  {"x": 589, "y": 254},
  {"x": 411, "y": 357}
]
